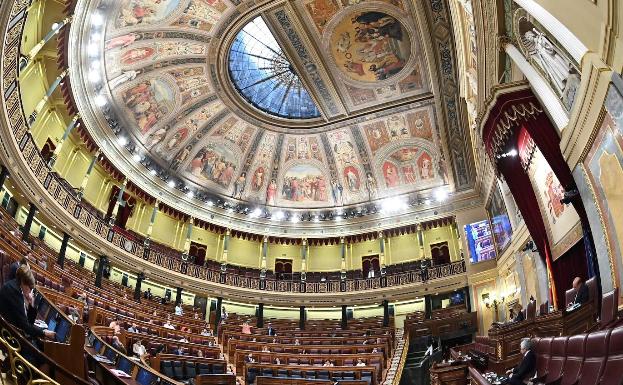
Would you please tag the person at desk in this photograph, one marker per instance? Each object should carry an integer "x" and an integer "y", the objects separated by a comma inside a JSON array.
[
  {"x": 328, "y": 363},
  {"x": 526, "y": 368},
  {"x": 16, "y": 265},
  {"x": 133, "y": 328},
  {"x": 178, "y": 309},
  {"x": 17, "y": 304},
  {"x": 297, "y": 342},
  {"x": 271, "y": 330},
  {"x": 206, "y": 332},
  {"x": 116, "y": 343},
  {"x": 360, "y": 362},
  {"x": 249, "y": 358},
  {"x": 520, "y": 316},
  {"x": 581, "y": 292},
  {"x": 147, "y": 294},
  {"x": 139, "y": 349},
  {"x": 168, "y": 325},
  {"x": 246, "y": 328},
  {"x": 115, "y": 325}
]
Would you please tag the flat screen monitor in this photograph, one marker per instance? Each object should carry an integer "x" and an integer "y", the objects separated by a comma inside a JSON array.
[
  {"x": 480, "y": 241},
  {"x": 62, "y": 330},
  {"x": 52, "y": 324},
  {"x": 91, "y": 339},
  {"x": 110, "y": 354},
  {"x": 125, "y": 365},
  {"x": 97, "y": 345},
  {"x": 51, "y": 316},
  {"x": 145, "y": 377}
]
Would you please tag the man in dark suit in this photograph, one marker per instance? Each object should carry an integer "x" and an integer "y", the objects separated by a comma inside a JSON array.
[
  {"x": 581, "y": 291},
  {"x": 271, "y": 330},
  {"x": 17, "y": 303},
  {"x": 519, "y": 311},
  {"x": 526, "y": 368}
]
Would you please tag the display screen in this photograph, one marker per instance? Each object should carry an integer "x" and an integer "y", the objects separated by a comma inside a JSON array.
[
  {"x": 52, "y": 324},
  {"x": 145, "y": 377},
  {"x": 62, "y": 330},
  {"x": 500, "y": 222},
  {"x": 480, "y": 241},
  {"x": 110, "y": 354},
  {"x": 125, "y": 365},
  {"x": 97, "y": 345}
]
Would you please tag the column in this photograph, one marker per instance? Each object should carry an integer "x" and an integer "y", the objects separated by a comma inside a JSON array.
[
  {"x": 115, "y": 209},
  {"x": 260, "y": 315},
  {"x": 32, "y": 210},
  {"x": 428, "y": 306},
  {"x": 56, "y": 27},
  {"x": 217, "y": 316},
  {"x": 304, "y": 249},
  {"x": 59, "y": 145},
  {"x": 382, "y": 253},
  {"x": 344, "y": 318},
  {"x": 302, "y": 317},
  {"x": 62, "y": 252},
  {"x": 85, "y": 180},
  {"x": 152, "y": 219},
  {"x": 103, "y": 261},
  {"x": 137, "y": 288},
  {"x": 39, "y": 107},
  {"x": 548, "y": 98},
  {"x": 385, "y": 313},
  {"x": 189, "y": 233},
  {"x": 468, "y": 299},
  {"x": 4, "y": 174},
  {"x": 420, "y": 240},
  {"x": 264, "y": 253},
  {"x": 178, "y": 296},
  {"x": 225, "y": 247}
]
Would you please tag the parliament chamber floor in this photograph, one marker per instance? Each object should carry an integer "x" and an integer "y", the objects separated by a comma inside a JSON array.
[{"x": 311, "y": 192}]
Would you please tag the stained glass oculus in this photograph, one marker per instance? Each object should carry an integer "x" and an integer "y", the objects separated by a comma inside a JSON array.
[{"x": 264, "y": 76}]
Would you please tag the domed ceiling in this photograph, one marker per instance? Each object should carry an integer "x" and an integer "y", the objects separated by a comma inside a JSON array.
[{"x": 298, "y": 105}]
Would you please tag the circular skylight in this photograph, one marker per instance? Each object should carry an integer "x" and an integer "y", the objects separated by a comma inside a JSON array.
[{"x": 264, "y": 76}]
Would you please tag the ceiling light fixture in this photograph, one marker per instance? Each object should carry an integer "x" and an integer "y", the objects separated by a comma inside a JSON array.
[
  {"x": 97, "y": 19},
  {"x": 256, "y": 213},
  {"x": 123, "y": 140},
  {"x": 278, "y": 216},
  {"x": 294, "y": 219},
  {"x": 94, "y": 77},
  {"x": 171, "y": 183},
  {"x": 441, "y": 194},
  {"x": 190, "y": 194},
  {"x": 100, "y": 100},
  {"x": 153, "y": 172},
  {"x": 137, "y": 157}
]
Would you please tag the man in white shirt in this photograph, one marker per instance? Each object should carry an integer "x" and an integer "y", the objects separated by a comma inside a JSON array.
[
  {"x": 178, "y": 309},
  {"x": 133, "y": 328},
  {"x": 168, "y": 325},
  {"x": 139, "y": 349}
]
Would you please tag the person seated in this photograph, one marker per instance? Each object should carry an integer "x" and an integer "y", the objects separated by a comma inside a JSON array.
[
  {"x": 180, "y": 351},
  {"x": 360, "y": 362},
  {"x": 297, "y": 342},
  {"x": 133, "y": 328},
  {"x": 17, "y": 304},
  {"x": 520, "y": 315},
  {"x": 178, "y": 309},
  {"x": 147, "y": 294},
  {"x": 581, "y": 292},
  {"x": 249, "y": 358},
  {"x": 526, "y": 368},
  {"x": 205, "y": 332},
  {"x": 277, "y": 361},
  {"x": 115, "y": 325},
  {"x": 271, "y": 330},
  {"x": 375, "y": 350},
  {"x": 328, "y": 363},
  {"x": 139, "y": 349},
  {"x": 16, "y": 265},
  {"x": 184, "y": 340},
  {"x": 196, "y": 315},
  {"x": 265, "y": 349},
  {"x": 246, "y": 328},
  {"x": 224, "y": 313},
  {"x": 116, "y": 343},
  {"x": 73, "y": 315},
  {"x": 168, "y": 325},
  {"x": 199, "y": 353}
]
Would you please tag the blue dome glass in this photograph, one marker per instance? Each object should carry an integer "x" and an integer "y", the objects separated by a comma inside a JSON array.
[{"x": 264, "y": 76}]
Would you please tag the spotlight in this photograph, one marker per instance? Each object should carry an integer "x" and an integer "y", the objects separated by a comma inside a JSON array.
[
  {"x": 171, "y": 184},
  {"x": 123, "y": 140},
  {"x": 256, "y": 213},
  {"x": 96, "y": 36},
  {"x": 316, "y": 219},
  {"x": 210, "y": 203},
  {"x": 137, "y": 157},
  {"x": 97, "y": 19},
  {"x": 278, "y": 216},
  {"x": 441, "y": 195},
  {"x": 100, "y": 100},
  {"x": 153, "y": 172},
  {"x": 511, "y": 153},
  {"x": 94, "y": 77},
  {"x": 392, "y": 205},
  {"x": 190, "y": 194},
  {"x": 294, "y": 219}
]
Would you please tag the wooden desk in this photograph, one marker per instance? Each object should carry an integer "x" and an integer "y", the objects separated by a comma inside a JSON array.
[
  {"x": 216, "y": 379},
  {"x": 299, "y": 349},
  {"x": 563, "y": 323},
  {"x": 262, "y": 380},
  {"x": 448, "y": 374},
  {"x": 357, "y": 370}
]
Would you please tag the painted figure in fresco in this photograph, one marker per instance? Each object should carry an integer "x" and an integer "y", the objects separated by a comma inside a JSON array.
[
  {"x": 122, "y": 41},
  {"x": 136, "y": 12},
  {"x": 258, "y": 179},
  {"x": 124, "y": 77},
  {"x": 136, "y": 55},
  {"x": 426, "y": 167},
  {"x": 239, "y": 185},
  {"x": 336, "y": 191},
  {"x": 155, "y": 138},
  {"x": 390, "y": 172},
  {"x": 271, "y": 192},
  {"x": 182, "y": 156},
  {"x": 141, "y": 100},
  {"x": 352, "y": 178},
  {"x": 321, "y": 11},
  {"x": 370, "y": 186}
]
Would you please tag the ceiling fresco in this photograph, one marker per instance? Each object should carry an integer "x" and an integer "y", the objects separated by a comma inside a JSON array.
[{"x": 301, "y": 105}]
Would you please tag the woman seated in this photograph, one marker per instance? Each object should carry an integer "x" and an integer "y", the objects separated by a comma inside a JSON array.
[{"x": 246, "y": 328}]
